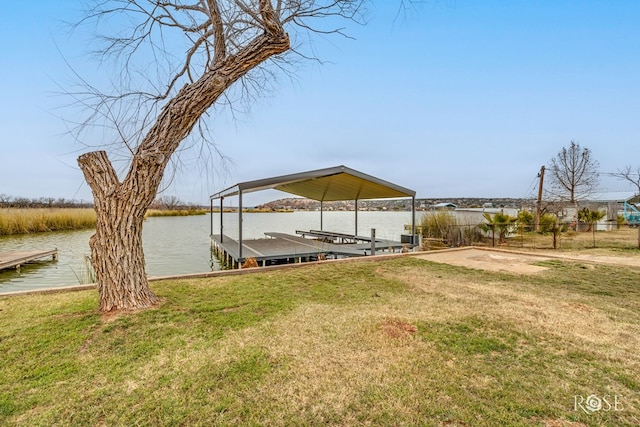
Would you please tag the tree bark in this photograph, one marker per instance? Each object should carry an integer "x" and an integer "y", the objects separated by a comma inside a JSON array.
[{"x": 117, "y": 255}]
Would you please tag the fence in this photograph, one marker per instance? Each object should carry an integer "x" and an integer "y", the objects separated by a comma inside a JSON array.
[{"x": 517, "y": 236}]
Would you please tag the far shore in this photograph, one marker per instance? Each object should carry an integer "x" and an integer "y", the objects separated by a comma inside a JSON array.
[{"x": 17, "y": 221}]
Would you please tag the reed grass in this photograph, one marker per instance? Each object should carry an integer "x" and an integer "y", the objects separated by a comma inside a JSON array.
[
  {"x": 85, "y": 274},
  {"x": 38, "y": 220},
  {"x": 175, "y": 212}
]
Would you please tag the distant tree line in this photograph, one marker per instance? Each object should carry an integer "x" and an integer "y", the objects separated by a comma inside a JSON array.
[
  {"x": 173, "y": 203},
  {"x": 161, "y": 203},
  {"x": 7, "y": 201}
]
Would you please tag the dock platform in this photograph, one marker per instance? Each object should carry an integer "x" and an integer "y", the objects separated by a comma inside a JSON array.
[
  {"x": 16, "y": 259},
  {"x": 334, "y": 237},
  {"x": 282, "y": 248}
]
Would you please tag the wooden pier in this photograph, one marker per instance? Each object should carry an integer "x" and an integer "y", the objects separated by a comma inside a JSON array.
[
  {"x": 282, "y": 248},
  {"x": 16, "y": 259}
]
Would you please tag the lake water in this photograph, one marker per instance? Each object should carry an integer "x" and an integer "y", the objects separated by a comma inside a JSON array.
[{"x": 179, "y": 245}]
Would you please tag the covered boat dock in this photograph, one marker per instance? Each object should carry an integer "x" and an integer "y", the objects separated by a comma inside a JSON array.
[{"x": 338, "y": 183}]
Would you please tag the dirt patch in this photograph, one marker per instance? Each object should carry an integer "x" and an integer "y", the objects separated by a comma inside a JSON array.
[
  {"x": 232, "y": 309},
  {"x": 487, "y": 260},
  {"x": 394, "y": 328}
]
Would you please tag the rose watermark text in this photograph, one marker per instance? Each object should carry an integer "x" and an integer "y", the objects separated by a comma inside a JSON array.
[{"x": 593, "y": 403}]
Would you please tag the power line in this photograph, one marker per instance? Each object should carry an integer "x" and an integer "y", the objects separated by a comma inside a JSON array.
[
  {"x": 619, "y": 174},
  {"x": 529, "y": 193}
]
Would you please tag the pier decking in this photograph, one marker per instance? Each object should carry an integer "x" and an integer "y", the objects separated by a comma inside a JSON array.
[
  {"x": 280, "y": 248},
  {"x": 16, "y": 259}
]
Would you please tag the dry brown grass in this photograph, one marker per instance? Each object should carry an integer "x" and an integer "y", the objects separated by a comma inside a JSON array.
[
  {"x": 558, "y": 314},
  {"x": 625, "y": 238},
  {"x": 401, "y": 342},
  {"x": 250, "y": 262},
  {"x": 37, "y": 220},
  {"x": 332, "y": 358}
]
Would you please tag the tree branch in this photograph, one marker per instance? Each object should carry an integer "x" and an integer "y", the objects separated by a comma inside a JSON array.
[
  {"x": 220, "y": 49},
  {"x": 99, "y": 173}
]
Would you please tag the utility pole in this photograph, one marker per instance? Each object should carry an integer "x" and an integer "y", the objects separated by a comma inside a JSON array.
[{"x": 539, "y": 204}]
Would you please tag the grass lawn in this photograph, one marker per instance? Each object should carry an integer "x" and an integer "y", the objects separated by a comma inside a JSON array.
[{"x": 397, "y": 342}]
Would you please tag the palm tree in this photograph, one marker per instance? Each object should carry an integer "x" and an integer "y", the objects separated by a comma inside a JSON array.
[
  {"x": 501, "y": 221},
  {"x": 590, "y": 217}
]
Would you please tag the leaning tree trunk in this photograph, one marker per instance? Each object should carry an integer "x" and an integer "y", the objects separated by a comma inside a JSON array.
[{"x": 116, "y": 248}]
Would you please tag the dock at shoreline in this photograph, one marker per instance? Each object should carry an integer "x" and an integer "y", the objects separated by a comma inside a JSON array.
[
  {"x": 282, "y": 248},
  {"x": 15, "y": 260}
]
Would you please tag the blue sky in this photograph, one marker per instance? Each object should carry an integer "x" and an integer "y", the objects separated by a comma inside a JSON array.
[{"x": 460, "y": 98}]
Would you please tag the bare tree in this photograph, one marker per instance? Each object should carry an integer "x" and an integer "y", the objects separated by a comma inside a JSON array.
[
  {"x": 574, "y": 172},
  {"x": 168, "y": 202},
  {"x": 227, "y": 41},
  {"x": 630, "y": 175}
]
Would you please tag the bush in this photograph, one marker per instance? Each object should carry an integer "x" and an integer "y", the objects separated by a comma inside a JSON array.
[
  {"x": 525, "y": 220},
  {"x": 444, "y": 227},
  {"x": 547, "y": 223},
  {"x": 437, "y": 225}
]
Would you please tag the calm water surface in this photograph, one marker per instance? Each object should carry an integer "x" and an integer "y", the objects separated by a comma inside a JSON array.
[{"x": 178, "y": 245}]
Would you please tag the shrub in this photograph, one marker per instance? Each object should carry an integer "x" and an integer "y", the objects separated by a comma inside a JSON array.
[
  {"x": 547, "y": 223},
  {"x": 444, "y": 226},
  {"x": 590, "y": 217},
  {"x": 437, "y": 225},
  {"x": 525, "y": 220}
]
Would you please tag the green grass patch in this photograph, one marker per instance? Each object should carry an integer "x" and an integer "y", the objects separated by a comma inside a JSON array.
[
  {"x": 399, "y": 342},
  {"x": 467, "y": 337}
]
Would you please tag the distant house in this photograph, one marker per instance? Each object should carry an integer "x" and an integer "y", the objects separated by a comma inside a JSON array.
[
  {"x": 445, "y": 206},
  {"x": 614, "y": 203},
  {"x": 612, "y": 197},
  {"x": 472, "y": 216}
]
